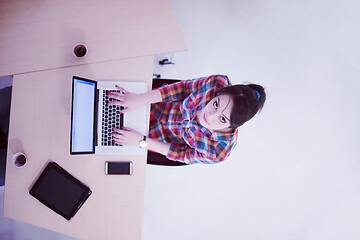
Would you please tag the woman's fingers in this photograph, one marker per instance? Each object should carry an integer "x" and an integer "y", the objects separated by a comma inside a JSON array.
[
  {"x": 126, "y": 129},
  {"x": 115, "y": 103},
  {"x": 124, "y": 110},
  {"x": 118, "y": 141},
  {"x": 116, "y": 95},
  {"x": 121, "y": 89},
  {"x": 119, "y": 99},
  {"x": 117, "y": 130},
  {"x": 117, "y": 136},
  {"x": 126, "y": 99},
  {"x": 126, "y": 136}
]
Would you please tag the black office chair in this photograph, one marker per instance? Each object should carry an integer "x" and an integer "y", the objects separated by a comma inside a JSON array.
[
  {"x": 2, "y": 166},
  {"x": 159, "y": 82},
  {"x": 155, "y": 158},
  {"x": 3, "y": 146},
  {"x": 5, "y": 101}
]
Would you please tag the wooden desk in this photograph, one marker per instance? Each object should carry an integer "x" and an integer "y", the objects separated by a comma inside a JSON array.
[
  {"x": 40, "y": 127},
  {"x": 38, "y": 35}
]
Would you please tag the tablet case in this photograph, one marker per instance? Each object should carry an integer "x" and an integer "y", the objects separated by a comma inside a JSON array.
[{"x": 60, "y": 191}]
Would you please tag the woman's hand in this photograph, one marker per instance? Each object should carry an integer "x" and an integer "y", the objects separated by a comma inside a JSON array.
[
  {"x": 131, "y": 137},
  {"x": 127, "y": 136},
  {"x": 126, "y": 99}
]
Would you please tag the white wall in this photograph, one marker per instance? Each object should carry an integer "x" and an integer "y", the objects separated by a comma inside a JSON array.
[{"x": 295, "y": 171}]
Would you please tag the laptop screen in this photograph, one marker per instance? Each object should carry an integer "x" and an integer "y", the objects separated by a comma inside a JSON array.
[{"x": 83, "y": 116}]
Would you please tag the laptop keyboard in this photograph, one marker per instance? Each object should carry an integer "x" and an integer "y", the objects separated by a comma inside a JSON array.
[{"x": 111, "y": 119}]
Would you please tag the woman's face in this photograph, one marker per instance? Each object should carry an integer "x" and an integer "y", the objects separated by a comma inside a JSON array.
[{"x": 215, "y": 116}]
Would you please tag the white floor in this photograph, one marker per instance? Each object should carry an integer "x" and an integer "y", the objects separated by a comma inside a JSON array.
[
  {"x": 5, "y": 81},
  {"x": 294, "y": 174},
  {"x": 15, "y": 230}
]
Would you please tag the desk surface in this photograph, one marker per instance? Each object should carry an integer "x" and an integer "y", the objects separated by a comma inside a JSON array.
[
  {"x": 40, "y": 127},
  {"x": 37, "y": 35}
]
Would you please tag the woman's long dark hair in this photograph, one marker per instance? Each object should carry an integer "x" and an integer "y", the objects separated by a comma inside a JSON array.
[{"x": 248, "y": 100}]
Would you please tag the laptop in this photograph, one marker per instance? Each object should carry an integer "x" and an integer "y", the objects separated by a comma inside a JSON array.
[{"x": 92, "y": 120}]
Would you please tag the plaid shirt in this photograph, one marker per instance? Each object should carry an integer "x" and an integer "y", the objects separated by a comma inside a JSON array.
[{"x": 173, "y": 121}]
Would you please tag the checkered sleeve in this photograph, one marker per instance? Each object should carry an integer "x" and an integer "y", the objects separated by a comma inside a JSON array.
[
  {"x": 214, "y": 152},
  {"x": 180, "y": 90}
]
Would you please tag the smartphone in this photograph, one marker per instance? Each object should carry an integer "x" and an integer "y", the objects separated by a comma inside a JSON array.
[{"x": 118, "y": 168}]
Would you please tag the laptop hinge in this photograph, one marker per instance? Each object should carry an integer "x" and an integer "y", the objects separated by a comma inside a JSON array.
[{"x": 96, "y": 117}]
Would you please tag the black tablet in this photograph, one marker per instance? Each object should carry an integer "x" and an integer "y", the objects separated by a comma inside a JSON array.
[{"x": 60, "y": 191}]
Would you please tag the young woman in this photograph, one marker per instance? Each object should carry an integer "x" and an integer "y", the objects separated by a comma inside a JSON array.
[{"x": 193, "y": 121}]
